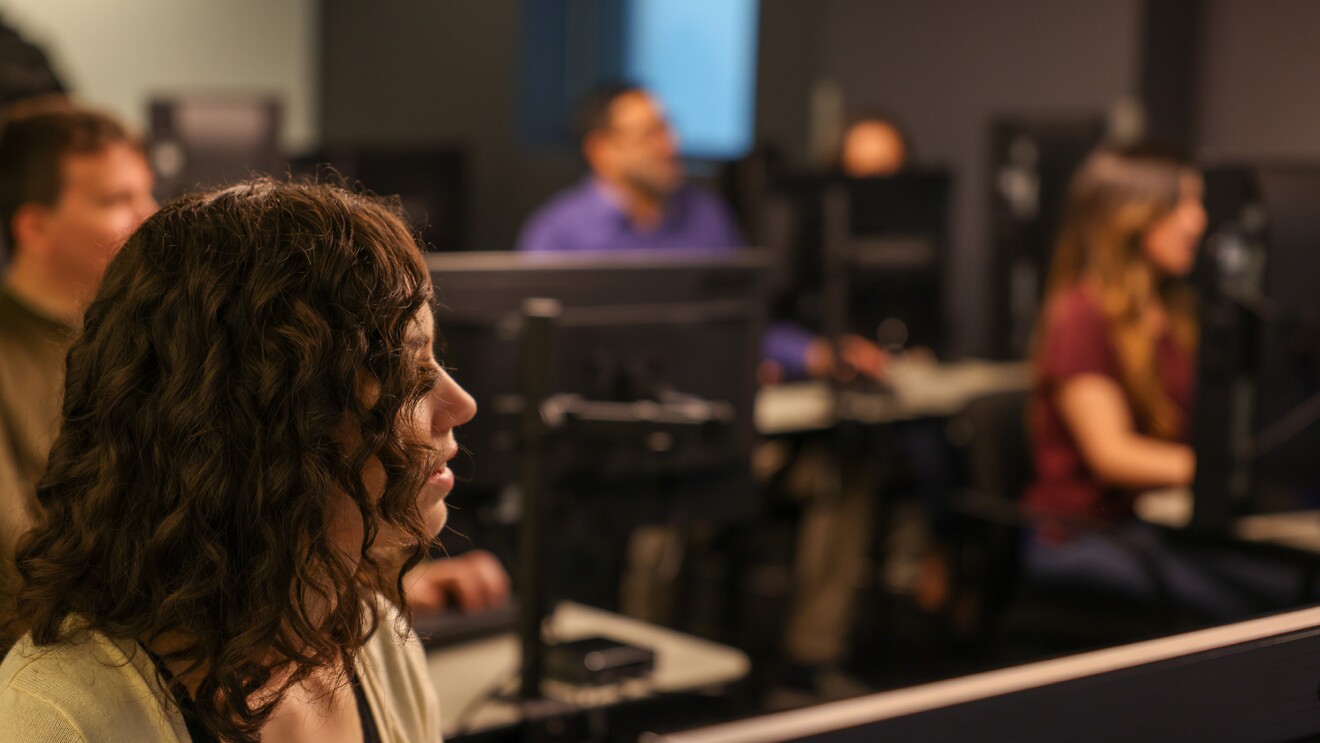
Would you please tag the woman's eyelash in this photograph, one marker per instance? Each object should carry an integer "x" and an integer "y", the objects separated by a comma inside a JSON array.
[{"x": 429, "y": 376}]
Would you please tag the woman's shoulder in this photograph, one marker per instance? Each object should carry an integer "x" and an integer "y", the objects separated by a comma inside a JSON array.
[
  {"x": 1075, "y": 339},
  {"x": 1075, "y": 307},
  {"x": 395, "y": 677},
  {"x": 88, "y": 687}
]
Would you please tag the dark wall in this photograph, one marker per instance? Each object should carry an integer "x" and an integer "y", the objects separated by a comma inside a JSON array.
[
  {"x": 788, "y": 63},
  {"x": 947, "y": 67},
  {"x": 408, "y": 71},
  {"x": 414, "y": 72},
  {"x": 1260, "y": 68}
]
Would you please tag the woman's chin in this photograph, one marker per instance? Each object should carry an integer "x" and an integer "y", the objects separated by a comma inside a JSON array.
[{"x": 436, "y": 517}]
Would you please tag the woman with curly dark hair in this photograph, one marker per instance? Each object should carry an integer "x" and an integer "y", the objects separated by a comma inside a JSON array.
[{"x": 254, "y": 451}]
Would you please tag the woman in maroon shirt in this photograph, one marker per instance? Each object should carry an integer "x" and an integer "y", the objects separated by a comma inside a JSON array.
[{"x": 1113, "y": 386}]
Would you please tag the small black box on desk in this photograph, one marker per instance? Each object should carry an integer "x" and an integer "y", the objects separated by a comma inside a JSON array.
[{"x": 593, "y": 661}]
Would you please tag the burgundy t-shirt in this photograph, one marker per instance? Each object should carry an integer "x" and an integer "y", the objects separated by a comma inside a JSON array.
[{"x": 1076, "y": 341}]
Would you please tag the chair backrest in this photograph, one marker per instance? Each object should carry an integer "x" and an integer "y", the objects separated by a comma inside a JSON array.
[
  {"x": 1000, "y": 468},
  {"x": 999, "y": 457}
]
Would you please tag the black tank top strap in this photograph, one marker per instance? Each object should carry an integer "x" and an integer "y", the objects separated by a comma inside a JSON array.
[
  {"x": 199, "y": 734},
  {"x": 196, "y": 731},
  {"x": 370, "y": 733}
]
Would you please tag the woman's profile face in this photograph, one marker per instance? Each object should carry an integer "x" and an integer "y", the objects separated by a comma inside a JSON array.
[
  {"x": 443, "y": 407},
  {"x": 1170, "y": 245}
]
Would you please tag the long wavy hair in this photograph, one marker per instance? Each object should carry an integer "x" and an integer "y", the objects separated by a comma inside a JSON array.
[
  {"x": 1114, "y": 200},
  {"x": 189, "y": 492}
]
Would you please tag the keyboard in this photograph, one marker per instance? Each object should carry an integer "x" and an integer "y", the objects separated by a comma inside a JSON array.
[{"x": 455, "y": 627}]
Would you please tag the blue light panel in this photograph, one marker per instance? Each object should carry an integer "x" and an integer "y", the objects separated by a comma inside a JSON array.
[{"x": 699, "y": 57}]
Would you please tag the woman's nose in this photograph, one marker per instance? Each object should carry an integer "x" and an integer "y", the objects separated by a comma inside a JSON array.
[{"x": 459, "y": 407}]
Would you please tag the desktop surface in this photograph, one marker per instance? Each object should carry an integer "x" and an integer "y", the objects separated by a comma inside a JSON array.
[
  {"x": 468, "y": 675},
  {"x": 1297, "y": 530},
  {"x": 917, "y": 389}
]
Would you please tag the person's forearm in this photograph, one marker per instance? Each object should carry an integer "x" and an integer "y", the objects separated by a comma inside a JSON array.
[
  {"x": 1139, "y": 462},
  {"x": 785, "y": 344},
  {"x": 1096, "y": 412}
]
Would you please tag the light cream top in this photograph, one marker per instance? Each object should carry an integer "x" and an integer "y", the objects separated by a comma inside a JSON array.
[{"x": 95, "y": 689}]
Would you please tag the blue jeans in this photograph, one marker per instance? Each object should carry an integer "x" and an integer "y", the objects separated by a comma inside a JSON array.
[{"x": 1132, "y": 559}]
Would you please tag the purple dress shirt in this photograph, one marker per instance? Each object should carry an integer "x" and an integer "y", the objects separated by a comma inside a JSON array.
[{"x": 587, "y": 217}]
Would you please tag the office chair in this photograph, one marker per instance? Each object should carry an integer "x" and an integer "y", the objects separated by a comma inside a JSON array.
[{"x": 989, "y": 557}]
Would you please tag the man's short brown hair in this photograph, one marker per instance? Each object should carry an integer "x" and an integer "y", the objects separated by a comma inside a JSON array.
[
  {"x": 594, "y": 112},
  {"x": 33, "y": 148}
]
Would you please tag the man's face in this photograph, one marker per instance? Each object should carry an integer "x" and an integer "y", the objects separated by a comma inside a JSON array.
[
  {"x": 639, "y": 148},
  {"x": 872, "y": 149},
  {"x": 104, "y": 196}
]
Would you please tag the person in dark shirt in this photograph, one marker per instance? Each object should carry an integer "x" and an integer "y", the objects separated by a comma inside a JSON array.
[
  {"x": 836, "y": 531},
  {"x": 873, "y": 146},
  {"x": 1113, "y": 367},
  {"x": 73, "y": 184}
]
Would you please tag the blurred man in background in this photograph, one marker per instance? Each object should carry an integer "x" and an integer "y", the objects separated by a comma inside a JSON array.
[
  {"x": 73, "y": 184},
  {"x": 872, "y": 147},
  {"x": 635, "y": 197}
]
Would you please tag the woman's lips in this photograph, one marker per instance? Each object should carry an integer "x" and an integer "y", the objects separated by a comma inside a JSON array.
[{"x": 444, "y": 477}]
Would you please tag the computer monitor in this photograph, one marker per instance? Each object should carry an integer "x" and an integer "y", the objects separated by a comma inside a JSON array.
[
  {"x": 641, "y": 369},
  {"x": 1255, "y": 423},
  {"x": 202, "y": 140},
  {"x": 893, "y": 240},
  {"x": 634, "y": 326},
  {"x": 1254, "y": 680},
  {"x": 1288, "y": 367},
  {"x": 430, "y": 181},
  {"x": 1221, "y": 418}
]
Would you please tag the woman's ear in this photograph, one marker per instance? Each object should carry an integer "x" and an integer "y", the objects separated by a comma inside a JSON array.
[{"x": 367, "y": 389}]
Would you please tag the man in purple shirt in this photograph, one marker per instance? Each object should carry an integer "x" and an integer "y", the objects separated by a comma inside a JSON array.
[{"x": 635, "y": 197}]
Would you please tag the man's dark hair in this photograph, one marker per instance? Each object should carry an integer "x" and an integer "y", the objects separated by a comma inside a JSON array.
[
  {"x": 593, "y": 113},
  {"x": 32, "y": 149}
]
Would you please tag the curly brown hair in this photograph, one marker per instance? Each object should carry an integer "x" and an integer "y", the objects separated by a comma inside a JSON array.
[{"x": 188, "y": 494}]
